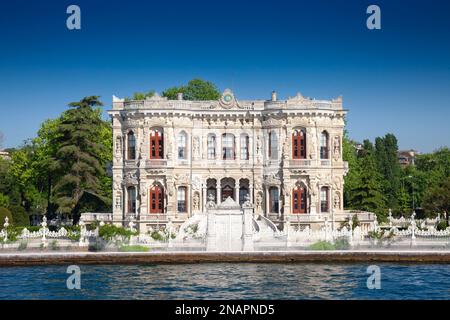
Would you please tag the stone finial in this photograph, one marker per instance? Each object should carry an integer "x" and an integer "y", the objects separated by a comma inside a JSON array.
[
  {"x": 180, "y": 96},
  {"x": 274, "y": 96}
]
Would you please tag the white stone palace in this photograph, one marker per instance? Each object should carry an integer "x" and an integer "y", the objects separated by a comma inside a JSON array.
[{"x": 171, "y": 156}]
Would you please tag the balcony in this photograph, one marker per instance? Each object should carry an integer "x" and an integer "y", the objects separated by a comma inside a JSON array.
[
  {"x": 325, "y": 162},
  {"x": 300, "y": 163},
  {"x": 152, "y": 163}
]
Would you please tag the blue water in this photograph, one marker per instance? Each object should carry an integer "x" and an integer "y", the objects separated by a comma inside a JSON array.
[{"x": 228, "y": 281}]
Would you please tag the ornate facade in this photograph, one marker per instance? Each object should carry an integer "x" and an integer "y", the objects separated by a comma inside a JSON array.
[{"x": 170, "y": 156}]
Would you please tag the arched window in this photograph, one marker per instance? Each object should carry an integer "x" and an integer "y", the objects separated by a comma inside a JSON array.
[
  {"x": 243, "y": 192},
  {"x": 211, "y": 146},
  {"x": 273, "y": 200},
  {"x": 324, "y": 154},
  {"x": 131, "y": 146},
  {"x": 245, "y": 147},
  {"x": 156, "y": 144},
  {"x": 228, "y": 151},
  {"x": 324, "y": 199},
  {"x": 182, "y": 199},
  {"x": 181, "y": 141},
  {"x": 273, "y": 145},
  {"x": 299, "y": 204},
  {"x": 156, "y": 199},
  {"x": 299, "y": 144},
  {"x": 131, "y": 199}
]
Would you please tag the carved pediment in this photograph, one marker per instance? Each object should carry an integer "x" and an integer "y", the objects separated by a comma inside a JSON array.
[{"x": 228, "y": 100}]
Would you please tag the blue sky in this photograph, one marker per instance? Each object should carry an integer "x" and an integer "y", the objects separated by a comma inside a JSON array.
[{"x": 396, "y": 79}]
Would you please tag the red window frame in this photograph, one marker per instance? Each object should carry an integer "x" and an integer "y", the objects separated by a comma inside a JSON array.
[
  {"x": 299, "y": 144},
  {"x": 156, "y": 145},
  {"x": 299, "y": 200},
  {"x": 156, "y": 200}
]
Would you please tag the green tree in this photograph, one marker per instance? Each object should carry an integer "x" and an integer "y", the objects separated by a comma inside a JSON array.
[
  {"x": 349, "y": 154},
  {"x": 437, "y": 198},
  {"x": 366, "y": 193},
  {"x": 141, "y": 95},
  {"x": 78, "y": 160},
  {"x": 196, "y": 89},
  {"x": 386, "y": 149},
  {"x": 20, "y": 216},
  {"x": 4, "y": 212}
]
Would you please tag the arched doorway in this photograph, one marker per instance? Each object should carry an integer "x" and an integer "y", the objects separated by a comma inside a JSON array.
[
  {"x": 227, "y": 189},
  {"x": 156, "y": 198}
]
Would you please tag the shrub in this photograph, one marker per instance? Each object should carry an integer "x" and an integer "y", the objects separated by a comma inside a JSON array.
[
  {"x": 134, "y": 248},
  {"x": 342, "y": 243},
  {"x": 109, "y": 232},
  {"x": 96, "y": 246},
  {"x": 22, "y": 246},
  {"x": 322, "y": 245},
  {"x": 20, "y": 216},
  {"x": 442, "y": 225},
  {"x": 54, "y": 245},
  {"x": 3, "y": 214}
]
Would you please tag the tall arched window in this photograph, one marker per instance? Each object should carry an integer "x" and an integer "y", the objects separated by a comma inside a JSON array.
[
  {"x": 156, "y": 144},
  {"x": 299, "y": 204},
  {"x": 182, "y": 199},
  {"x": 211, "y": 146},
  {"x": 273, "y": 200},
  {"x": 324, "y": 199},
  {"x": 324, "y": 154},
  {"x": 245, "y": 147},
  {"x": 181, "y": 142},
  {"x": 131, "y": 146},
  {"x": 299, "y": 144},
  {"x": 243, "y": 192},
  {"x": 273, "y": 145},
  {"x": 156, "y": 199},
  {"x": 228, "y": 151},
  {"x": 131, "y": 199}
]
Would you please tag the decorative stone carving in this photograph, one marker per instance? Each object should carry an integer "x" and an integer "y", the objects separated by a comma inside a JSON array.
[
  {"x": 337, "y": 201},
  {"x": 118, "y": 200},
  {"x": 228, "y": 100},
  {"x": 211, "y": 204},
  {"x": 196, "y": 147},
  {"x": 259, "y": 199},
  {"x": 337, "y": 148},
  {"x": 118, "y": 148},
  {"x": 196, "y": 201},
  {"x": 130, "y": 179}
]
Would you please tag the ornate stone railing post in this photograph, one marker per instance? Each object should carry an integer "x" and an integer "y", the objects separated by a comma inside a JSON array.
[
  {"x": 44, "y": 231},
  {"x": 169, "y": 231},
  {"x": 82, "y": 225},
  {"x": 350, "y": 231},
  {"x": 326, "y": 229},
  {"x": 5, "y": 230},
  {"x": 390, "y": 218},
  {"x": 247, "y": 233},
  {"x": 131, "y": 226},
  {"x": 413, "y": 229}
]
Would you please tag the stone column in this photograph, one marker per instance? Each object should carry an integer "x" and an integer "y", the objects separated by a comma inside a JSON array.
[
  {"x": 204, "y": 197},
  {"x": 236, "y": 190},
  {"x": 266, "y": 201},
  {"x": 279, "y": 201},
  {"x": 218, "y": 191},
  {"x": 250, "y": 191}
]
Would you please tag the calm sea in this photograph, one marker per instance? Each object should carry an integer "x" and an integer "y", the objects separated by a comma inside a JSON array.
[{"x": 228, "y": 281}]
